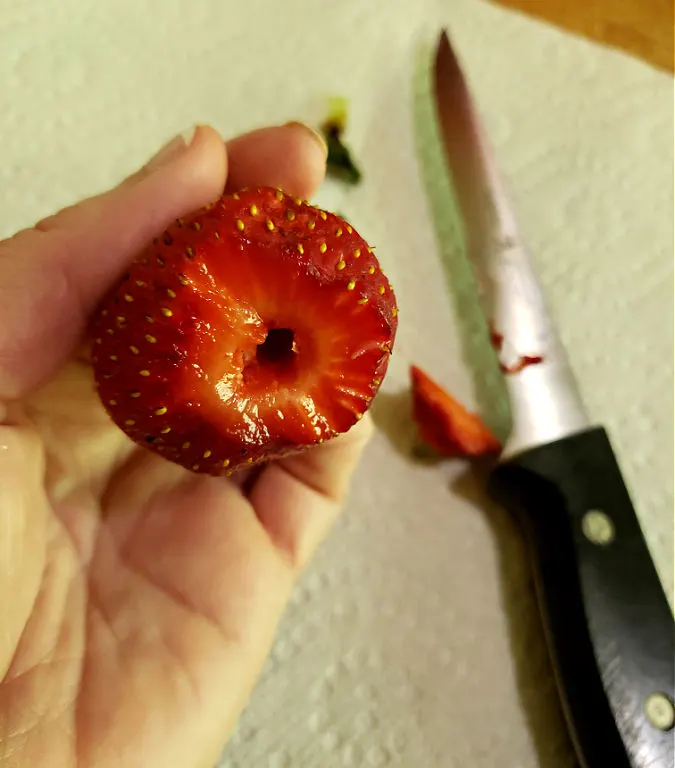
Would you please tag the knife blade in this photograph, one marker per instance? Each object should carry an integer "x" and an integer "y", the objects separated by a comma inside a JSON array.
[{"x": 608, "y": 624}]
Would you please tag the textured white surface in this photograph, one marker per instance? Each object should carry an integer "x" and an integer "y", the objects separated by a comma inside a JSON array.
[{"x": 412, "y": 641}]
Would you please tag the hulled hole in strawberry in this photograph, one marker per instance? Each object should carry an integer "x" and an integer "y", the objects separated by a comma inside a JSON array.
[
  {"x": 275, "y": 360},
  {"x": 278, "y": 348}
]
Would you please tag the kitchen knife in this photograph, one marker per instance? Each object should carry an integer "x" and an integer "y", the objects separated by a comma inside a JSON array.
[{"x": 608, "y": 623}]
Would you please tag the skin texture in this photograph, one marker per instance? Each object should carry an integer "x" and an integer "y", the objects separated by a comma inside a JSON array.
[{"x": 138, "y": 600}]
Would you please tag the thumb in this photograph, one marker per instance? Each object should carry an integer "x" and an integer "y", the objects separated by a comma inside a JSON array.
[{"x": 53, "y": 275}]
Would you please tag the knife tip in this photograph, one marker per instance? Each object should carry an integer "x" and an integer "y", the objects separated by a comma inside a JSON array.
[
  {"x": 442, "y": 45},
  {"x": 447, "y": 67},
  {"x": 445, "y": 50}
]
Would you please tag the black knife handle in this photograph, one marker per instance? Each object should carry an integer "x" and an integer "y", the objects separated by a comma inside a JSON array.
[{"x": 609, "y": 625}]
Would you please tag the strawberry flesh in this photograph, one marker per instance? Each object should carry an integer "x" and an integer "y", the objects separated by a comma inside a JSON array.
[
  {"x": 445, "y": 424},
  {"x": 256, "y": 327}
]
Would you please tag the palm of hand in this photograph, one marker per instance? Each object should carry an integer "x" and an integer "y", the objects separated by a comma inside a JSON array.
[
  {"x": 157, "y": 591},
  {"x": 139, "y": 599}
]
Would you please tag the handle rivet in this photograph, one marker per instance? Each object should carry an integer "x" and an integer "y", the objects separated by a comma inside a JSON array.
[
  {"x": 660, "y": 711},
  {"x": 598, "y": 527}
]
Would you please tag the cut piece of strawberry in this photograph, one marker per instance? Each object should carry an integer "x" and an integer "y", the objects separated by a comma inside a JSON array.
[
  {"x": 445, "y": 424},
  {"x": 257, "y": 326}
]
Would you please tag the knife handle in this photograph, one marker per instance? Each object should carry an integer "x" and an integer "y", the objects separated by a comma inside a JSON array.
[{"x": 609, "y": 626}]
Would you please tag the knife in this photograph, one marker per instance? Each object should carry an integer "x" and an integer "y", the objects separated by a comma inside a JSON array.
[{"x": 608, "y": 624}]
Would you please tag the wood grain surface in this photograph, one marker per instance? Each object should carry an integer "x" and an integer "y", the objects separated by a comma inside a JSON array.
[{"x": 643, "y": 28}]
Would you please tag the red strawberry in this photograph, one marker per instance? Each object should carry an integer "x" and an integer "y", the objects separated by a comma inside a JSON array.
[
  {"x": 256, "y": 327},
  {"x": 445, "y": 424}
]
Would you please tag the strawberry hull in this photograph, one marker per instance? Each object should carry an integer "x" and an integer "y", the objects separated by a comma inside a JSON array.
[{"x": 257, "y": 327}]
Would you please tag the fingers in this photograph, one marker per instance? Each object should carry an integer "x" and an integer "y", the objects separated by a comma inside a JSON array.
[
  {"x": 105, "y": 232},
  {"x": 291, "y": 156},
  {"x": 54, "y": 274},
  {"x": 297, "y": 499}
]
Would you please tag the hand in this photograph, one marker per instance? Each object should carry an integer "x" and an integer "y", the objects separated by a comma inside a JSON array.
[{"x": 138, "y": 601}]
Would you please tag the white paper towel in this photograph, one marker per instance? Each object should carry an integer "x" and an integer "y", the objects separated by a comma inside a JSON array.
[{"x": 413, "y": 639}]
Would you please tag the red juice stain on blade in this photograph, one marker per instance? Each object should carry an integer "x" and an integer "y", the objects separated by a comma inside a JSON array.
[
  {"x": 523, "y": 362},
  {"x": 496, "y": 338}
]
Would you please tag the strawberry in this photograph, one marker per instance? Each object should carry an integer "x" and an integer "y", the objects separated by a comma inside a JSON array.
[
  {"x": 445, "y": 424},
  {"x": 256, "y": 327}
]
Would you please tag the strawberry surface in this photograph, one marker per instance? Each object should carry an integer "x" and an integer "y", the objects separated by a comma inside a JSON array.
[
  {"x": 255, "y": 327},
  {"x": 445, "y": 424}
]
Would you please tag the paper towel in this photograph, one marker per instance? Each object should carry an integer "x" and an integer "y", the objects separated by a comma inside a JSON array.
[{"x": 413, "y": 638}]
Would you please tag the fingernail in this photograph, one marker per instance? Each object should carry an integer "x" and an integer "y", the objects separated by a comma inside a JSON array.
[
  {"x": 171, "y": 149},
  {"x": 314, "y": 134}
]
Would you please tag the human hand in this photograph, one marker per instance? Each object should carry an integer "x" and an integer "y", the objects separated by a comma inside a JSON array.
[{"x": 138, "y": 600}]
